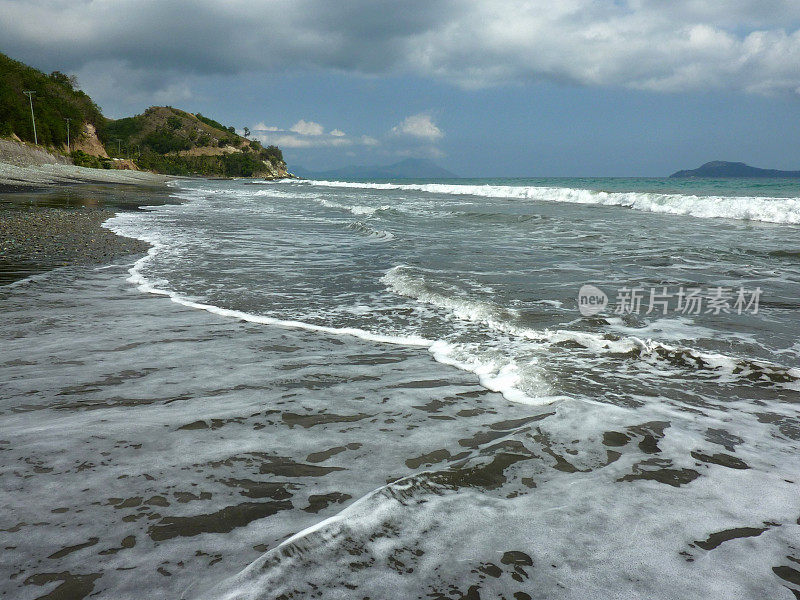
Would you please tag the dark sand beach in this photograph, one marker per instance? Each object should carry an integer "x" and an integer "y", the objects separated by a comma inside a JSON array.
[
  {"x": 43, "y": 228},
  {"x": 412, "y": 310},
  {"x": 51, "y": 211}
]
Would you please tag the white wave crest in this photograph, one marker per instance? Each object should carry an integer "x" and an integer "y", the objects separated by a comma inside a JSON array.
[
  {"x": 356, "y": 209},
  {"x": 378, "y": 234},
  {"x": 745, "y": 208},
  {"x": 505, "y": 376},
  {"x": 497, "y": 376}
]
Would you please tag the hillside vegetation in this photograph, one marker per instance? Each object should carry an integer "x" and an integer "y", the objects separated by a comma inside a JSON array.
[
  {"x": 162, "y": 139},
  {"x": 169, "y": 140},
  {"x": 54, "y": 101}
]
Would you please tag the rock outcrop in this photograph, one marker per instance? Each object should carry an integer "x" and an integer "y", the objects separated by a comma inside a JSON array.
[{"x": 88, "y": 142}]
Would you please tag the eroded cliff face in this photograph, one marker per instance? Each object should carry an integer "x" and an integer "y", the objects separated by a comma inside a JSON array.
[
  {"x": 15, "y": 151},
  {"x": 273, "y": 171},
  {"x": 88, "y": 142}
]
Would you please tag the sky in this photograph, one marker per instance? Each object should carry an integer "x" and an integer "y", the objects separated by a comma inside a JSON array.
[{"x": 500, "y": 88}]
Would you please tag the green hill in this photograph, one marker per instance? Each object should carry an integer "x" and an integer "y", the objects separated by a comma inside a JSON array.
[
  {"x": 54, "y": 101},
  {"x": 173, "y": 141},
  {"x": 161, "y": 139}
]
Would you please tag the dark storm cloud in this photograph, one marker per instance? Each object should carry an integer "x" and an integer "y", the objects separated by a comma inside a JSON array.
[
  {"x": 217, "y": 37},
  {"x": 682, "y": 45}
]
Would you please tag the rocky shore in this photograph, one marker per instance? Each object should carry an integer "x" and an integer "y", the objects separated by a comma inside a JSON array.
[
  {"x": 51, "y": 211},
  {"x": 13, "y": 177},
  {"x": 23, "y": 166},
  {"x": 40, "y": 239}
]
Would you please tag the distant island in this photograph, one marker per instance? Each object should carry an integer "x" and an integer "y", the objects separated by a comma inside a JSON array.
[
  {"x": 162, "y": 139},
  {"x": 409, "y": 168},
  {"x": 720, "y": 168}
]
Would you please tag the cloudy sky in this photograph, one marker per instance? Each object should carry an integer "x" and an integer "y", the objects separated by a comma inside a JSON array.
[{"x": 486, "y": 88}]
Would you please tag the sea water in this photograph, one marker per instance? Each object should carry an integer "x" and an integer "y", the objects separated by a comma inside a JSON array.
[{"x": 389, "y": 389}]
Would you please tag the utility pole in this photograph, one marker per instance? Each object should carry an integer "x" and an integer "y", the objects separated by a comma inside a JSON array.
[
  {"x": 30, "y": 94},
  {"x": 67, "y": 120},
  {"x": 119, "y": 150}
]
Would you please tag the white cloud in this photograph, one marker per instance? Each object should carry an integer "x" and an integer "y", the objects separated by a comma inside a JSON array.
[
  {"x": 643, "y": 44},
  {"x": 284, "y": 140},
  {"x": 307, "y": 128},
  {"x": 419, "y": 126},
  {"x": 264, "y": 127},
  {"x": 307, "y": 134}
]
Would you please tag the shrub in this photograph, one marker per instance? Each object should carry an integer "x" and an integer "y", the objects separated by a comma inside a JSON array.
[
  {"x": 81, "y": 159},
  {"x": 271, "y": 153},
  {"x": 240, "y": 165},
  {"x": 123, "y": 129},
  {"x": 68, "y": 81},
  {"x": 211, "y": 122},
  {"x": 163, "y": 142}
]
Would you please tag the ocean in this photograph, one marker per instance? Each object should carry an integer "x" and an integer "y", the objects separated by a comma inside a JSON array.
[{"x": 507, "y": 388}]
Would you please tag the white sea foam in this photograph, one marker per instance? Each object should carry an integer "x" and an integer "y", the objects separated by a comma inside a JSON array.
[
  {"x": 495, "y": 375},
  {"x": 118, "y": 225},
  {"x": 379, "y": 234},
  {"x": 505, "y": 362},
  {"x": 499, "y": 372},
  {"x": 746, "y": 208},
  {"x": 581, "y": 532},
  {"x": 505, "y": 376},
  {"x": 356, "y": 209}
]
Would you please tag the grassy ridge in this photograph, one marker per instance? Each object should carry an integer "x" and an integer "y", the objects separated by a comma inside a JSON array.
[
  {"x": 173, "y": 141},
  {"x": 55, "y": 100}
]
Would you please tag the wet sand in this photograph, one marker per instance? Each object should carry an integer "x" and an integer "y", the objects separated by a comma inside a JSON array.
[{"x": 46, "y": 228}]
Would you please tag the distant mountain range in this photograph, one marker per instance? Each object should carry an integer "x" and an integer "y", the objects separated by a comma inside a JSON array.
[
  {"x": 720, "y": 168},
  {"x": 410, "y": 168}
]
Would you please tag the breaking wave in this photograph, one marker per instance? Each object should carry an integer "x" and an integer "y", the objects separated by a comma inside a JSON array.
[{"x": 745, "y": 208}]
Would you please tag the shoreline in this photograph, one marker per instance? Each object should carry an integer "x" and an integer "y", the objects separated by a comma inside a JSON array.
[
  {"x": 40, "y": 240},
  {"x": 51, "y": 216}
]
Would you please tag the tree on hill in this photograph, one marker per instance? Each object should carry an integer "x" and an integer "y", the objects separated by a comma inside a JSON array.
[{"x": 55, "y": 99}]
